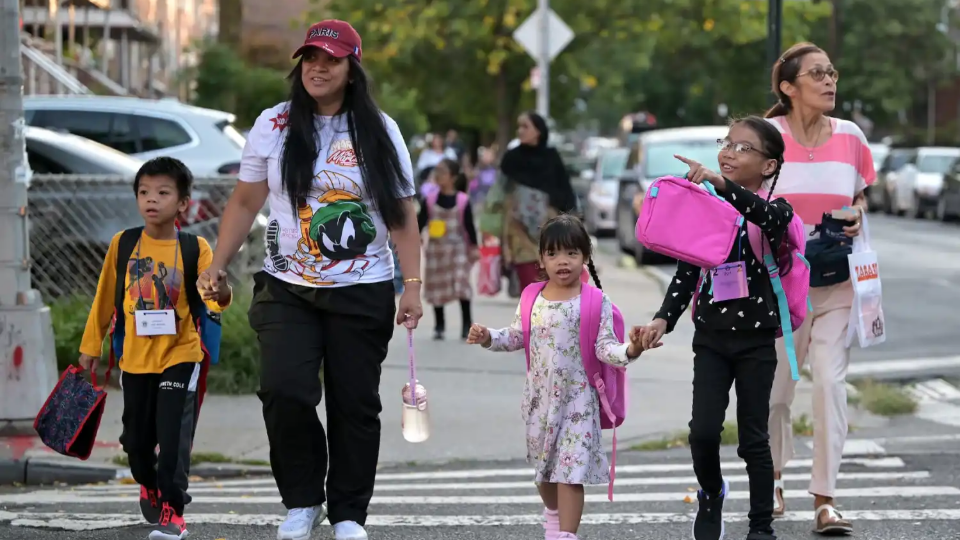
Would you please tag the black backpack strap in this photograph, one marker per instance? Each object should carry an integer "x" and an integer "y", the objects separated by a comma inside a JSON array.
[
  {"x": 190, "y": 248},
  {"x": 125, "y": 246}
]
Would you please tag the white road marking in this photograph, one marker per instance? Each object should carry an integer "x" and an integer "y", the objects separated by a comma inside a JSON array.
[
  {"x": 474, "y": 486},
  {"x": 882, "y": 367},
  {"x": 859, "y": 447},
  {"x": 88, "y": 522},
  {"x": 80, "y": 498}
]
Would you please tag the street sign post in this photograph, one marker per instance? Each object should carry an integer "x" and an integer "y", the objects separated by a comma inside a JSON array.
[{"x": 544, "y": 35}]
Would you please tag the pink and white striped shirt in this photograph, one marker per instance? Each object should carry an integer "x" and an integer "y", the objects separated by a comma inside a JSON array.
[{"x": 840, "y": 169}]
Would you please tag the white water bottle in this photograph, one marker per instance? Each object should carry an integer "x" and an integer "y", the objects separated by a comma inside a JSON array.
[{"x": 415, "y": 420}]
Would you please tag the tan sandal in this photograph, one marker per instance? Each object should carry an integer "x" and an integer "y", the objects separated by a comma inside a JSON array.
[
  {"x": 779, "y": 505},
  {"x": 833, "y": 524}
]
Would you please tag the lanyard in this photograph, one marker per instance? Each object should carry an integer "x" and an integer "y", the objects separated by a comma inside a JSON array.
[{"x": 176, "y": 253}]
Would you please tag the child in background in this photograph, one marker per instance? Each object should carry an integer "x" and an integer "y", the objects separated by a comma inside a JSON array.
[
  {"x": 160, "y": 368},
  {"x": 560, "y": 407},
  {"x": 734, "y": 341},
  {"x": 452, "y": 245}
]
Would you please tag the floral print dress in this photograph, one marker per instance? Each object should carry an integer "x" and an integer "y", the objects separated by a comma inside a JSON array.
[{"x": 561, "y": 409}]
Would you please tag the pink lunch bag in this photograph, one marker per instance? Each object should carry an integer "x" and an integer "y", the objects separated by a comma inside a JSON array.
[{"x": 684, "y": 221}]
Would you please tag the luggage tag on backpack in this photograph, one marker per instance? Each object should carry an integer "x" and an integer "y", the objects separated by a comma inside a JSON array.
[
  {"x": 729, "y": 281},
  {"x": 155, "y": 322},
  {"x": 437, "y": 228}
]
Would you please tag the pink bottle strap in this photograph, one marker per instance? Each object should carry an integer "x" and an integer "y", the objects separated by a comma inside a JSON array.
[
  {"x": 608, "y": 411},
  {"x": 413, "y": 369}
]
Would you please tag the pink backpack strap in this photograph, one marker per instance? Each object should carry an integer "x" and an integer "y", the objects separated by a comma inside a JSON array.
[
  {"x": 462, "y": 201},
  {"x": 527, "y": 298},
  {"x": 431, "y": 200},
  {"x": 591, "y": 314}
]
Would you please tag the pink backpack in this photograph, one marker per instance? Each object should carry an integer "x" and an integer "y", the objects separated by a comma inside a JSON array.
[
  {"x": 683, "y": 221},
  {"x": 462, "y": 200},
  {"x": 792, "y": 289},
  {"x": 609, "y": 381}
]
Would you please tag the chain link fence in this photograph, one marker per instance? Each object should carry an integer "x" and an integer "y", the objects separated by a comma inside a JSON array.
[{"x": 73, "y": 219}]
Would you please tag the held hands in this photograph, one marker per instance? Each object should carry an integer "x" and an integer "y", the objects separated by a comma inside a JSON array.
[
  {"x": 213, "y": 285},
  {"x": 651, "y": 334},
  {"x": 698, "y": 173},
  {"x": 479, "y": 335},
  {"x": 638, "y": 336}
]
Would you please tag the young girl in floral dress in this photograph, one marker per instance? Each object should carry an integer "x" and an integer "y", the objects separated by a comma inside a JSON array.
[{"x": 561, "y": 408}]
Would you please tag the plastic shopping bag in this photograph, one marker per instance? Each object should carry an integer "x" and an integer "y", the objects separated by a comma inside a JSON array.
[
  {"x": 488, "y": 281},
  {"x": 866, "y": 314}
]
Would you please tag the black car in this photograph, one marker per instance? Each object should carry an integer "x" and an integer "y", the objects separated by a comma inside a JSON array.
[{"x": 948, "y": 205}]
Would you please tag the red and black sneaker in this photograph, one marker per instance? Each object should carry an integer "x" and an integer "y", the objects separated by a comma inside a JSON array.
[
  {"x": 150, "y": 505},
  {"x": 171, "y": 526}
]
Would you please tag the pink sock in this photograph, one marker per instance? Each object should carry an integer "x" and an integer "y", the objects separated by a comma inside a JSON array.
[{"x": 551, "y": 524}]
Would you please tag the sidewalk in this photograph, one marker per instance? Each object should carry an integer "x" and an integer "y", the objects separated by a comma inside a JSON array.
[{"x": 474, "y": 394}]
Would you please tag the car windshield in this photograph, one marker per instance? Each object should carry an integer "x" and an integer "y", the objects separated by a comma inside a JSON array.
[
  {"x": 659, "y": 160},
  {"x": 613, "y": 162},
  {"x": 937, "y": 164}
]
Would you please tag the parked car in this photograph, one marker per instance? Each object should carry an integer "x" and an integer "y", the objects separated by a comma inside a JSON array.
[
  {"x": 882, "y": 191},
  {"x": 948, "y": 205},
  {"x": 204, "y": 139},
  {"x": 920, "y": 181},
  {"x": 874, "y": 194},
  {"x": 651, "y": 157},
  {"x": 600, "y": 208}
]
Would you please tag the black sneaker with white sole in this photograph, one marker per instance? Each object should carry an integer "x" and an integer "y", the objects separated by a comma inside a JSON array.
[{"x": 708, "y": 524}]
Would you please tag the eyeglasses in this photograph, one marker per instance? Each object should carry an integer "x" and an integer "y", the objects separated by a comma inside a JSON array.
[
  {"x": 740, "y": 148},
  {"x": 819, "y": 73}
]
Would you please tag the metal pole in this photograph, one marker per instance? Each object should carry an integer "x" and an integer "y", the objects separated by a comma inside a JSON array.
[
  {"x": 774, "y": 35},
  {"x": 543, "y": 60},
  {"x": 28, "y": 363}
]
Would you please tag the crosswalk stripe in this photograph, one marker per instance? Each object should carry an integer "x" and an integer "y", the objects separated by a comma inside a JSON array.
[
  {"x": 227, "y": 487},
  {"x": 88, "y": 521},
  {"x": 40, "y": 497}
]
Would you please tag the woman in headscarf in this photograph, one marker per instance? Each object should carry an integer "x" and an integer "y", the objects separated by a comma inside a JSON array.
[{"x": 537, "y": 189}]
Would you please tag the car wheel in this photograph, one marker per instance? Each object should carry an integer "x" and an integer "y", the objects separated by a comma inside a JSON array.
[{"x": 942, "y": 211}]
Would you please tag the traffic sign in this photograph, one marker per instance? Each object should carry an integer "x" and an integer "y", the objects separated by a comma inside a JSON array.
[{"x": 528, "y": 34}]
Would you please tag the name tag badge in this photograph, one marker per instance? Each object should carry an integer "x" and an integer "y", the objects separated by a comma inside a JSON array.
[
  {"x": 437, "y": 228},
  {"x": 730, "y": 281},
  {"x": 155, "y": 322}
]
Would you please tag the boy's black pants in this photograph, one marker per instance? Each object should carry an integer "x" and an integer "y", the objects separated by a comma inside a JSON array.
[
  {"x": 161, "y": 409},
  {"x": 345, "y": 331},
  {"x": 747, "y": 359}
]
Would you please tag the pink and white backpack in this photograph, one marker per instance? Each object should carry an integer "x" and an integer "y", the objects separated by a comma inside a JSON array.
[
  {"x": 609, "y": 381},
  {"x": 791, "y": 288}
]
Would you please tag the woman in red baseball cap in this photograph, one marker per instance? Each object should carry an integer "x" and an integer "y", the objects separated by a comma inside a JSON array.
[{"x": 338, "y": 178}]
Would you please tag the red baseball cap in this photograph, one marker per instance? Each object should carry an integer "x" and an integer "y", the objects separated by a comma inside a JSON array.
[{"x": 336, "y": 37}]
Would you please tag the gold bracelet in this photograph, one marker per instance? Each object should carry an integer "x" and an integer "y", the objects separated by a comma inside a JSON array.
[{"x": 413, "y": 280}]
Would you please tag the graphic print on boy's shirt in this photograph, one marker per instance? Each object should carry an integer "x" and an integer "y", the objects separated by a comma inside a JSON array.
[
  {"x": 153, "y": 280},
  {"x": 334, "y": 236}
]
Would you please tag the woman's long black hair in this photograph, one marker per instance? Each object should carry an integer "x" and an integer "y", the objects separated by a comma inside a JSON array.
[{"x": 377, "y": 158}]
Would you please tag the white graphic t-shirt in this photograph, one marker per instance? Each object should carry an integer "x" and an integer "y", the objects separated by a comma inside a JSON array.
[{"x": 335, "y": 237}]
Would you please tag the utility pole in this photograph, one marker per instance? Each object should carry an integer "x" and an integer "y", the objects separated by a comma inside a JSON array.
[
  {"x": 774, "y": 36},
  {"x": 28, "y": 367},
  {"x": 543, "y": 60}
]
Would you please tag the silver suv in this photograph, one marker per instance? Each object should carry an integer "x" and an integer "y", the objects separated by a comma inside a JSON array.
[{"x": 204, "y": 139}]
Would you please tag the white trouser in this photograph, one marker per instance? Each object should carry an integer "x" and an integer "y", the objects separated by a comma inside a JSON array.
[{"x": 822, "y": 335}]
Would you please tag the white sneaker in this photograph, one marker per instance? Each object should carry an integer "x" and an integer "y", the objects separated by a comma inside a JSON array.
[
  {"x": 300, "y": 523},
  {"x": 349, "y": 530}
]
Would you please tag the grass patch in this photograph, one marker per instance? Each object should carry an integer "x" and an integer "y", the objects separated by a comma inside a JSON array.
[
  {"x": 203, "y": 457},
  {"x": 884, "y": 399},
  {"x": 802, "y": 426},
  {"x": 729, "y": 436}
]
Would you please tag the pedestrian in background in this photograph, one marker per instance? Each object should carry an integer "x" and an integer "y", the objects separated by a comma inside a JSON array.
[
  {"x": 337, "y": 174},
  {"x": 537, "y": 189},
  {"x": 451, "y": 248},
  {"x": 828, "y": 166}
]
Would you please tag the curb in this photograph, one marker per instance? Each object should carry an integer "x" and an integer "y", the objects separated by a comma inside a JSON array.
[{"x": 41, "y": 472}]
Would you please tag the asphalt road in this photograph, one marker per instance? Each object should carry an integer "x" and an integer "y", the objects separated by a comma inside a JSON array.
[
  {"x": 920, "y": 273},
  {"x": 888, "y": 497}
]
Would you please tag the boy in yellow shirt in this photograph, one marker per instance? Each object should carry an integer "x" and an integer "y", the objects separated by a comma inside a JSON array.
[{"x": 162, "y": 362}]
